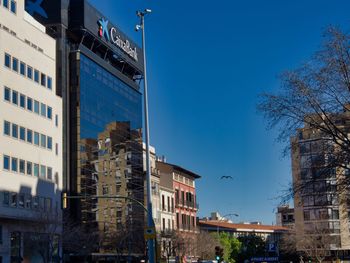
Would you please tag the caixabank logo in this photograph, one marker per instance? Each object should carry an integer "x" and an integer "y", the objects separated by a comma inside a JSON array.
[{"x": 112, "y": 35}]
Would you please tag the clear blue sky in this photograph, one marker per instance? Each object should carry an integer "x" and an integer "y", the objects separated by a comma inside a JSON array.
[{"x": 208, "y": 61}]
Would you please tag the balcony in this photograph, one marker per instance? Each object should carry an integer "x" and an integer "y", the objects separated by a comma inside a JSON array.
[
  {"x": 167, "y": 233},
  {"x": 168, "y": 209},
  {"x": 188, "y": 228},
  {"x": 192, "y": 205},
  {"x": 186, "y": 203}
]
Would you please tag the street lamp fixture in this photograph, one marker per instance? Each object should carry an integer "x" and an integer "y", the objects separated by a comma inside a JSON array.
[{"x": 150, "y": 224}]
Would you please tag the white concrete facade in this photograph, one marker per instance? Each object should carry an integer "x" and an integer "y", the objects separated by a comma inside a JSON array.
[
  {"x": 167, "y": 208},
  {"x": 30, "y": 128}
]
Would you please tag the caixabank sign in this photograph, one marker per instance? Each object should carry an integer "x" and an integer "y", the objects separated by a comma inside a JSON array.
[
  {"x": 111, "y": 34},
  {"x": 79, "y": 15},
  {"x": 84, "y": 15}
]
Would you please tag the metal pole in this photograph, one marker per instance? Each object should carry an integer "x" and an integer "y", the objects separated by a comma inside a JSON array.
[{"x": 150, "y": 242}]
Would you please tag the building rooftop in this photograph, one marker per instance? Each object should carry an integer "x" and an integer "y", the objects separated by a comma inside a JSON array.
[
  {"x": 242, "y": 227},
  {"x": 182, "y": 170}
]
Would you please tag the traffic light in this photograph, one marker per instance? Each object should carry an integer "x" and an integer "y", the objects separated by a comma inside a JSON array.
[{"x": 219, "y": 253}]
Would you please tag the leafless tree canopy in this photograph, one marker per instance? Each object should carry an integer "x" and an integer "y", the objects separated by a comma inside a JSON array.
[
  {"x": 315, "y": 246},
  {"x": 316, "y": 96}
]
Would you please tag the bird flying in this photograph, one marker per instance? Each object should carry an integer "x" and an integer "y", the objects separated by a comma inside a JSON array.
[{"x": 226, "y": 177}]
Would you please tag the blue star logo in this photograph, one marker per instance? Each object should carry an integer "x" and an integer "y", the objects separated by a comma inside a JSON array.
[
  {"x": 103, "y": 32},
  {"x": 35, "y": 7}
]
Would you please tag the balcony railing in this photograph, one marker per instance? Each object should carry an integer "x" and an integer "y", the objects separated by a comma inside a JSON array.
[
  {"x": 186, "y": 203},
  {"x": 167, "y": 232},
  {"x": 186, "y": 227},
  {"x": 166, "y": 208}
]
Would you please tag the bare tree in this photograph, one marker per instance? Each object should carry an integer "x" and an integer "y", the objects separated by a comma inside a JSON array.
[
  {"x": 77, "y": 240},
  {"x": 316, "y": 96},
  {"x": 45, "y": 237},
  {"x": 314, "y": 244}
]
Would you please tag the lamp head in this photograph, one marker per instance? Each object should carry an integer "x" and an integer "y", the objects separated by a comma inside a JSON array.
[
  {"x": 137, "y": 28},
  {"x": 148, "y": 11}
]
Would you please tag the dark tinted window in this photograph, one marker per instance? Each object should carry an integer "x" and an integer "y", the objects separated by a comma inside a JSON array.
[
  {"x": 7, "y": 94},
  {"x": 7, "y": 60},
  {"x": 22, "y": 68},
  {"x": 15, "y": 64}
]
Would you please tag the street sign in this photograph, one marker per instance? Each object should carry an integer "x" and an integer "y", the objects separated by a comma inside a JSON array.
[{"x": 150, "y": 233}]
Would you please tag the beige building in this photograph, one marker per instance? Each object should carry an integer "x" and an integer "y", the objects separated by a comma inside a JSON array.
[
  {"x": 285, "y": 216},
  {"x": 30, "y": 140},
  {"x": 320, "y": 208}
]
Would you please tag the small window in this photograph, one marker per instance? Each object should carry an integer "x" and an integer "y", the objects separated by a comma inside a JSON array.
[
  {"x": 14, "y": 164},
  {"x": 14, "y": 130},
  {"x": 7, "y": 128},
  {"x": 56, "y": 148},
  {"x": 36, "y": 202},
  {"x": 22, "y": 68},
  {"x": 7, "y": 94},
  {"x": 29, "y": 104},
  {"x": 49, "y": 173},
  {"x": 42, "y": 203},
  {"x": 48, "y": 204},
  {"x": 7, "y": 60},
  {"x": 36, "y": 75},
  {"x": 22, "y": 133},
  {"x": 49, "y": 112},
  {"x": 49, "y": 82},
  {"x": 56, "y": 120},
  {"x": 43, "y": 140},
  {"x": 13, "y": 6},
  {"x": 30, "y": 72},
  {"x": 6, "y": 162},
  {"x": 15, "y": 97},
  {"x": 22, "y": 166},
  {"x": 6, "y": 200},
  {"x": 5, "y": 3},
  {"x": 36, "y": 106},
  {"x": 28, "y": 201},
  {"x": 29, "y": 168},
  {"x": 43, "y": 110},
  {"x": 13, "y": 199},
  {"x": 36, "y": 170},
  {"x": 43, "y": 80},
  {"x": 15, "y": 64},
  {"x": 22, "y": 101},
  {"x": 43, "y": 171},
  {"x": 36, "y": 138},
  {"x": 29, "y": 136},
  {"x": 49, "y": 143}
]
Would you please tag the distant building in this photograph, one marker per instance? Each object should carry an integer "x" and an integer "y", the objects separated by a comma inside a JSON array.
[
  {"x": 270, "y": 234},
  {"x": 186, "y": 206},
  {"x": 285, "y": 216}
]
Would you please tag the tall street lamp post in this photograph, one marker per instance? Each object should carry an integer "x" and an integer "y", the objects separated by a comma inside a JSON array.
[{"x": 150, "y": 224}]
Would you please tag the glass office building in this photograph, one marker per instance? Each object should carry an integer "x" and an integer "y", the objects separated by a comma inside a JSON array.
[
  {"x": 104, "y": 98},
  {"x": 98, "y": 76}
]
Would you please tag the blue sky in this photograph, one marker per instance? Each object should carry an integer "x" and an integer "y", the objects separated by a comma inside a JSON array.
[{"x": 208, "y": 61}]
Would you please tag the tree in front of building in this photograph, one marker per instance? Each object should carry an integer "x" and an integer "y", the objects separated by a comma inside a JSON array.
[
  {"x": 231, "y": 246},
  {"x": 314, "y": 247},
  {"x": 252, "y": 246},
  {"x": 316, "y": 96}
]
